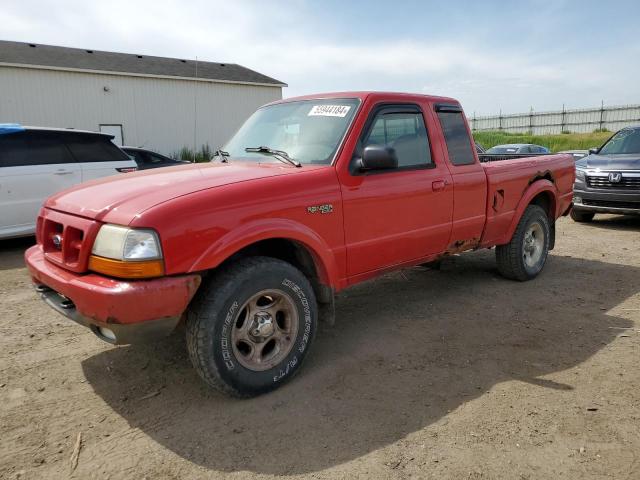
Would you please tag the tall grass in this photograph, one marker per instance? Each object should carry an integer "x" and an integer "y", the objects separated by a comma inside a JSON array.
[
  {"x": 556, "y": 143},
  {"x": 203, "y": 155}
]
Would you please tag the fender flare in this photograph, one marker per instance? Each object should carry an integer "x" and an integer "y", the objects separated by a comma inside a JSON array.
[
  {"x": 534, "y": 189},
  {"x": 266, "y": 229}
]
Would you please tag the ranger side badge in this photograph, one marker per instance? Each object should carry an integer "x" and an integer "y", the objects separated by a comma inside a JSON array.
[{"x": 326, "y": 208}]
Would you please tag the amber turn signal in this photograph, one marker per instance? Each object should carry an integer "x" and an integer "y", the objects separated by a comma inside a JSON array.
[{"x": 126, "y": 269}]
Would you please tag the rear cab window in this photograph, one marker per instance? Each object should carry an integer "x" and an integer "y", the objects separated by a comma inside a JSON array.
[{"x": 456, "y": 135}]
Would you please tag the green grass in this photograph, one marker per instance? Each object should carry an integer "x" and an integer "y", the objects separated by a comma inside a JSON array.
[
  {"x": 203, "y": 155},
  {"x": 556, "y": 143}
]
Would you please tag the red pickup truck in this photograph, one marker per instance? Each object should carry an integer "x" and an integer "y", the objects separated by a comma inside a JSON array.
[{"x": 311, "y": 195}]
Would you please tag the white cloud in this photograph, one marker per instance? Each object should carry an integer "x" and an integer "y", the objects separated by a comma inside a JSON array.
[{"x": 291, "y": 44}]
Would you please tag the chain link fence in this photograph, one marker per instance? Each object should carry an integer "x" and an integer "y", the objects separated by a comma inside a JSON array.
[{"x": 575, "y": 121}]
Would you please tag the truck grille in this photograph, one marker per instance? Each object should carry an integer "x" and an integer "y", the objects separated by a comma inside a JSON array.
[
  {"x": 611, "y": 204},
  {"x": 624, "y": 183},
  {"x": 66, "y": 239}
]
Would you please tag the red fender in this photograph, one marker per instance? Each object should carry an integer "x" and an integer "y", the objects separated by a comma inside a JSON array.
[
  {"x": 270, "y": 228},
  {"x": 533, "y": 190}
]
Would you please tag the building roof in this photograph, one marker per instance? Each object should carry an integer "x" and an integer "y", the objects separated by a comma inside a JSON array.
[{"x": 49, "y": 56}]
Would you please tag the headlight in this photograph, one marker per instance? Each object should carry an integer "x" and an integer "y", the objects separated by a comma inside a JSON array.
[
  {"x": 126, "y": 252},
  {"x": 122, "y": 243},
  {"x": 580, "y": 174}
]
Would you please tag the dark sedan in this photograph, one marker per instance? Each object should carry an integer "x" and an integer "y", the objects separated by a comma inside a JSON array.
[{"x": 147, "y": 159}]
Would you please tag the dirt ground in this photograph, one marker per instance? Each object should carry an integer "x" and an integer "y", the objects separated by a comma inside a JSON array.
[{"x": 444, "y": 374}]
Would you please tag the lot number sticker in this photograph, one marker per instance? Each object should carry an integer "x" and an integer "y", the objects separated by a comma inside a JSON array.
[{"x": 329, "y": 110}]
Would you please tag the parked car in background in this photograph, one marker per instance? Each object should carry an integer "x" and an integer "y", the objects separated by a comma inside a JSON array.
[
  {"x": 517, "y": 148},
  {"x": 577, "y": 154},
  {"x": 480, "y": 148},
  {"x": 148, "y": 159},
  {"x": 38, "y": 162},
  {"x": 608, "y": 179}
]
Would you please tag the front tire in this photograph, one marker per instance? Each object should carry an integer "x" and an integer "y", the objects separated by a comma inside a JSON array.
[
  {"x": 525, "y": 255},
  {"x": 251, "y": 326},
  {"x": 580, "y": 216}
]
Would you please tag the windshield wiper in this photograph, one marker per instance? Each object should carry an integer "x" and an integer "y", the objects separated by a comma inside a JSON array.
[
  {"x": 279, "y": 154},
  {"x": 222, "y": 154}
]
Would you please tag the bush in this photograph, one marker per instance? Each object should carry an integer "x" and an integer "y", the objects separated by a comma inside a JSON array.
[{"x": 203, "y": 155}]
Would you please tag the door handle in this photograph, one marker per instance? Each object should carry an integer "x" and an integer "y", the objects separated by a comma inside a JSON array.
[
  {"x": 438, "y": 185},
  {"x": 62, "y": 172}
]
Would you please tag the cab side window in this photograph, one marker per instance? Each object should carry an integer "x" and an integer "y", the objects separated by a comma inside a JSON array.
[
  {"x": 406, "y": 133},
  {"x": 456, "y": 137}
]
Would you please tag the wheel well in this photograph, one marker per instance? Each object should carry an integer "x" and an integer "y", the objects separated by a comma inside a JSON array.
[
  {"x": 544, "y": 200},
  {"x": 543, "y": 176},
  {"x": 294, "y": 253}
]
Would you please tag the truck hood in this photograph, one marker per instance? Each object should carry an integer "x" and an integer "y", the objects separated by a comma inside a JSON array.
[
  {"x": 611, "y": 162},
  {"x": 119, "y": 198}
]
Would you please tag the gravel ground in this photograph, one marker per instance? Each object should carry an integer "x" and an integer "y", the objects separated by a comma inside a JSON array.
[{"x": 455, "y": 373}]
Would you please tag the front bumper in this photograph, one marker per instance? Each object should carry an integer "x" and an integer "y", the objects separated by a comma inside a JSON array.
[
  {"x": 133, "y": 311},
  {"x": 606, "y": 207},
  {"x": 616, "y": 201}
]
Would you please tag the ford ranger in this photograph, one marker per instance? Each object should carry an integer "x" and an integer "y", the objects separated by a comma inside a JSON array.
[{"x": 311, "y": 195}]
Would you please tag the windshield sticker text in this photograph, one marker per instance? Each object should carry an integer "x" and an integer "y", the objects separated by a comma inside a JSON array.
[{"x": 329, "y": 111}]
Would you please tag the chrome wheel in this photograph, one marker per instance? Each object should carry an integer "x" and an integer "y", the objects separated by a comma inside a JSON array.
[
  {"x": 533, "y": 244},
  {"x": 265, "y": 330}
]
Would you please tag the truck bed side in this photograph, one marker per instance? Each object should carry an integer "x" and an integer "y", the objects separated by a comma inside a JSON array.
[{"x": 513, "y": 184}]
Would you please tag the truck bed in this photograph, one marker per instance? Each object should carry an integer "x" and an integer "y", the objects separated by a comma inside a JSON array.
[{"x": 507, "y": 181}]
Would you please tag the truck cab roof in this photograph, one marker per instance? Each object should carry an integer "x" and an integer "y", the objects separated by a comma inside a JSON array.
[{"x": 363, "y": 95}]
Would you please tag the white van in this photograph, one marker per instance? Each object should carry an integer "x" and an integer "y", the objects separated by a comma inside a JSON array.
[{"x": 38, "y": 162}]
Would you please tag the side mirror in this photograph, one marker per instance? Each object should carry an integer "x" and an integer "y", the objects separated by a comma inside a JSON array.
[
  {"x": 593, "y": 150},
  {"x": 378, "y": 157}
]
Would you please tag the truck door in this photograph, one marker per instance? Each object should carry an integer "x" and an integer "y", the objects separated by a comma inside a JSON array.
[
  {"x": 396, "y": 215},
  {"x": 469, "y": 178}
]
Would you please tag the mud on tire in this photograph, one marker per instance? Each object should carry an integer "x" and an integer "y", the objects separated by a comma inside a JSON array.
[{"x": 251, "y": 325}]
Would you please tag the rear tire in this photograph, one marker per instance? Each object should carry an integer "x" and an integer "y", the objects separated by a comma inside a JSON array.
[
  {"x": 581, "y": 216},
  {"x": 525, "y": 255},
  {"x": 251, "y": 325}
]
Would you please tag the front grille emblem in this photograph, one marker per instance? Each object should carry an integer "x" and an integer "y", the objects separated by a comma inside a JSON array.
[
  {"x": 57, "y": 241},
  {"x": 615, "y": 177}
]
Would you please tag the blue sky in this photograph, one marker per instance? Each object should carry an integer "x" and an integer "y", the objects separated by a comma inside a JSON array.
[{"x": 492, "y": 56}]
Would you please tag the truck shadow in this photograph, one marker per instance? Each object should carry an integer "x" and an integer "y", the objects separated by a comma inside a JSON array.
[
  {"x": 407, "y": 349},
  {"x": 616, "y": 222},
  {"x": 12, "y": 252}
]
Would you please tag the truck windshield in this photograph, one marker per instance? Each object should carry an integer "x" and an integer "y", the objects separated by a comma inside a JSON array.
[
  {"x": 625, "y": 141},
  {"x": 310, "y": 131}
]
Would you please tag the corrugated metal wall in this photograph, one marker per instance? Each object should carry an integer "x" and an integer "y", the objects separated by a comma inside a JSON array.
[
  {"x": 580, "y": 121},
  {"x": 160, "y": 114}
]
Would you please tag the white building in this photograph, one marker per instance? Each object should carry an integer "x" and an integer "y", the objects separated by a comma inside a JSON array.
[{"x": 160, "y": 103}]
